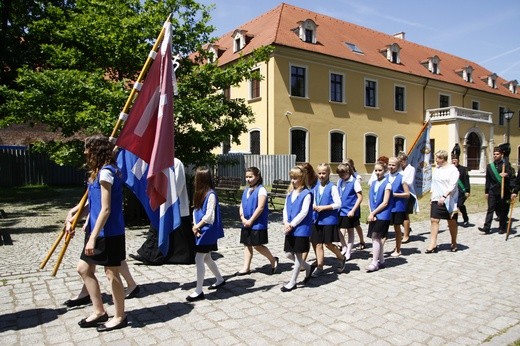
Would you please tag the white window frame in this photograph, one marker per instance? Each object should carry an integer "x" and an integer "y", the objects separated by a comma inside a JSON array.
[
  {"x": 299, "y": 128},
  {"x": 365, "y": 148},
  {"x": 344, "y": 144},
  {"x": 343, "y": 96},
  {"x": 307, "y": 24},
  {"x": 365, "y": 92},
  {"x": 404, "y": 98},
  {"x": 393, "y": 48},
  {"x": 306, "y": 80}
]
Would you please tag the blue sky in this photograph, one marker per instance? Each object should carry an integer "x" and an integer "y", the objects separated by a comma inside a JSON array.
[{"x": 484, "y": 31}]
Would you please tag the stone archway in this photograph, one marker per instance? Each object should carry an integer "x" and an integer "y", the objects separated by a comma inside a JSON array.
[{"x": 473, "y": 151}]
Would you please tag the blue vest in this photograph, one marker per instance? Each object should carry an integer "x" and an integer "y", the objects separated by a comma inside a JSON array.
[
  {"x": 115, "y": 224},
  {"x": 377, "y": 198},
  {"x": 398, "y": 204},
  {"x": 249, "y": 206},
  {"x": 209, "y": 233},
  {"x": 348, "y": 197},
  {"x": 326, "y": 217},
  {"x": 303, "y": 229}
]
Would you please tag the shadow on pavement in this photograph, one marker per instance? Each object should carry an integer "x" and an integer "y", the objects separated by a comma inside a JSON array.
[{"x": 29, "y": 318}]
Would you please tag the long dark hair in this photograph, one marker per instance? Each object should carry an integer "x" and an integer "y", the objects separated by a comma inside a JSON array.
[
  {"x": 100, "y": 152},
  {"x": 203, "y": 183}
]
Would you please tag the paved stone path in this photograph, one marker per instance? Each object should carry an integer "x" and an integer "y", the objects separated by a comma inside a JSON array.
[{"x": 464, "y": 298}]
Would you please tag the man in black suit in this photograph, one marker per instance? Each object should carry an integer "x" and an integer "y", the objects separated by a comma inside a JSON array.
[
  {"x": 493, "y": 190},
  {"x": 464, "y": 188}
]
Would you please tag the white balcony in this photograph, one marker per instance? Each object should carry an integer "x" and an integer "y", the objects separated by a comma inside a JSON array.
[{"x": 458, "y": 113}]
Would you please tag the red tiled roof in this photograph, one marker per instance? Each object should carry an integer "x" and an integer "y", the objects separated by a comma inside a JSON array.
[{"x": 276, "y": 27}]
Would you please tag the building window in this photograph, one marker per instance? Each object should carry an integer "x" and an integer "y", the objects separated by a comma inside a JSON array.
[
  {"x": 254, "y": 142},
  {"x": 432, "y": 151},
  {"x": 399, "y": 99},
  {"x": 336, "y": 147},
  {"x": 475, "y": 105},
  {"x": 254, "y": 87},
  {"x": 354, "y": 48},
  {"x": 299, "y": 145},
  {"x": 392, "y": 53},
  {"x": 336, "y": 87},
  {"x": 307, "y": 31},
  {"x": 444, "y": 101},
  {"x": 467, "y": 74},
  {"x": 370, "y": 93},
  {"x": 227, "y": 93},
  {"x": 398, "y": 145},
  {"x": 238, "y": 44},
  {"x": 298, "y": 81},
  {"x": 501, "y": 118},
  {"x": 432, "y": 64},
  {"x": 370, "y": 149}
]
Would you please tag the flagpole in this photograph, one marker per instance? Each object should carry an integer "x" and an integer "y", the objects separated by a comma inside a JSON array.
[
  {"x": 121, "y": 118},
  {"x": 419, "y": 136},
  {"x": 146, "y": 66}
]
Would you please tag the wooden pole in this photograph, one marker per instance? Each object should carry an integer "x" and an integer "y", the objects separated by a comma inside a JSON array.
[
  {"x": 510, "y": 218},
  {"x": 419, "y": 136},
  {"x": 126, "y": 108}
]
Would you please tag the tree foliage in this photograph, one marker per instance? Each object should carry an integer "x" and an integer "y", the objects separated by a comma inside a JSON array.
[{"x": 89, "y": 55}]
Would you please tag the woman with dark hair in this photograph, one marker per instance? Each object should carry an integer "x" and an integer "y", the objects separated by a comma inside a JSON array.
[
  {"x": 207, "y": 227},
  {"x": 105, "y": 233},
  {"x": 253, "y": 215}
]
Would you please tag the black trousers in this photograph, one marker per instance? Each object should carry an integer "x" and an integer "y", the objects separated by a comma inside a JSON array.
[{"x": 501, "y": 207}]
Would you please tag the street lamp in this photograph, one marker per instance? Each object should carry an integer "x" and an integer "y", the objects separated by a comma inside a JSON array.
[{"x": 508, "y": 115}]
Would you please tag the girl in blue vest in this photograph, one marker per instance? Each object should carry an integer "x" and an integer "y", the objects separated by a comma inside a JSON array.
[
  {"x": 351, "y": 195},
  {"x": 207, "y": 227},
  {"x": 297, "y": 219},
  {"x": 253, "y": 215},
  {"x": 400, "y": 194},
  {"x": 380, "y": 195},
  {"x": 324, "y": 231},
  {"x": 359, "y": 230},
  {"x": 105, "y": 234}
]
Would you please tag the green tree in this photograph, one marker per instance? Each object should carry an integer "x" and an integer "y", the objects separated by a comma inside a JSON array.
[{"x": 92, "y": 53}]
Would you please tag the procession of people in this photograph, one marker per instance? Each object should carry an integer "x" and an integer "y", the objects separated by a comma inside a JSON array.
[{"x": 316, "y": 211}]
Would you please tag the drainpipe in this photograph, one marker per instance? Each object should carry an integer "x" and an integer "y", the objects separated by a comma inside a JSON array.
[{"x": 267, "y": 105}]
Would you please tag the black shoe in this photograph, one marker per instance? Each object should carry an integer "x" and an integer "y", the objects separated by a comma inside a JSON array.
[
  {"x": 77, "y": 302},
  {"x": 502, "y": 231},
  {"x": 84, "y": 324},
  {"x": 465, "y": 224},
  {"x": 215, "y": 286},
  {"x": 194, "y": 299},
  {"x": 139, "y": 258},
  {"x": 484, "y": 230},
  {"x": 103, "y": 328},
  {"x": 273, "y": 269},
  {"x": 7, "y": 238},
  {"x": 434, "y": 250},
  {"x": 134, "y": 293},
  {"x": 285, "y": 289}
]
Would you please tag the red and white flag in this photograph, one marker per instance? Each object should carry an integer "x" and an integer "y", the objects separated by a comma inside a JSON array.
[{"x": 148, "y": 132}]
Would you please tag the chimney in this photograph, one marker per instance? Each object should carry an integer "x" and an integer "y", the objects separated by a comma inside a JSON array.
[{"x": 399, "y": 35}]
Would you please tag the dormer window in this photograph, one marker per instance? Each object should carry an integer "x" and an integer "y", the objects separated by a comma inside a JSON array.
[
  {"x": 215, "y": 52},
  {"x": 466, "y": 73},
  {"x": 433, "y": 64},
  {"x": 240, "y": 39},
  {"x": 491, "y": 80},
  {"x": 512, "y": 86},
  {"x": 392, "y": 53},
  {"x": 307, "y": 31}
]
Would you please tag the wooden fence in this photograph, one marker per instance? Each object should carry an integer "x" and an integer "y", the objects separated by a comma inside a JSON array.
[{"x": 20, "y": 166}]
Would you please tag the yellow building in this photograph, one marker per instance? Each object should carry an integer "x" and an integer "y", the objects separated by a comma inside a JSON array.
[{"x": 333, "y": 90}]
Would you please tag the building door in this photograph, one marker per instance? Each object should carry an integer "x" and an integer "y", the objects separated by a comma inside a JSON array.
[{"x": 473, "y": 144}]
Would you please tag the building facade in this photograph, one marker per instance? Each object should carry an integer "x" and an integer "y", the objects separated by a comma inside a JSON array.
[{"x": 333, "y": 90}]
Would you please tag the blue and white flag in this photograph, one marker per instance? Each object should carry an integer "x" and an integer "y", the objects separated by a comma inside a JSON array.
[
  {"x": 419, "y": 157},
  {"x": 167, "y": 217}
]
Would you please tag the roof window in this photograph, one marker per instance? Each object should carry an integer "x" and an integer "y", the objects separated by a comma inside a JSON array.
[
  {"x": 392, "y": 53},
  {"x": 307, "y": 31},
  {"x": 432, "y": 64},
  {"x": 354, "y": 48}
]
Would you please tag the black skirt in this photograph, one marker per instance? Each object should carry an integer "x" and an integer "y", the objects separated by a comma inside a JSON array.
[
  {"x": 108, "y": 251},
  {"x": 348, "y": 222},
  {"x": 206, "y": 248},
  {"x": 398, "y": 218},
  {"x": 440, "y": 212},
  {"x": 296, "y": 244},
  {"x": 324, "y": 234},
  {"x": 252, "y": 237},
  {"x": 379, "y": 227}
]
